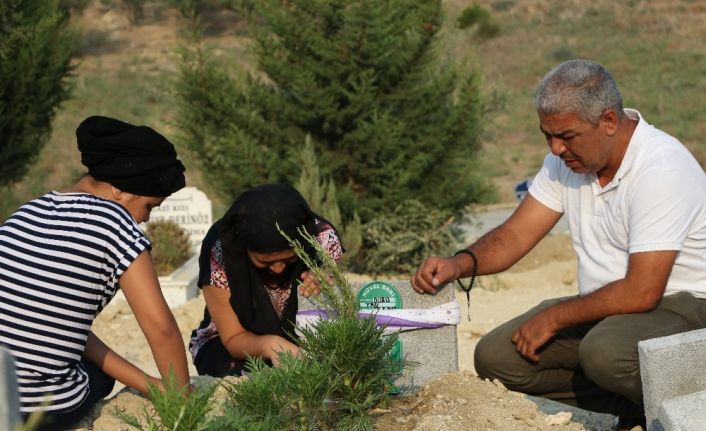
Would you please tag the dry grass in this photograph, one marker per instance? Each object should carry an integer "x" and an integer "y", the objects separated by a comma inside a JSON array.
[{"x": 656, "y": 50}]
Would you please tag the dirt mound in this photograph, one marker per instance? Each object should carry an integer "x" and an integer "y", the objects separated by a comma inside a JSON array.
[{"x": 463, "y": 401}]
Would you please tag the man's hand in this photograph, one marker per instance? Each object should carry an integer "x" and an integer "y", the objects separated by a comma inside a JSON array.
[
  {"x": 535, "y": 333},
  {"x": 434, "y": 272},
  {"x": 309, "y": 286}
]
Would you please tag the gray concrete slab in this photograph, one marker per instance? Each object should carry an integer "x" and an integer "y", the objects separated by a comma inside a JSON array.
[
  {"x": 10, "y": 404},
  {"x": 432, "y": 351},
  {"x": 671, "y": 367},
  {"x": 683, "y": 413}
]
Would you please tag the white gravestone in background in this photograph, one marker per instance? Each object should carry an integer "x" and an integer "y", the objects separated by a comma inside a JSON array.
[{"x": 190, "y": 208}]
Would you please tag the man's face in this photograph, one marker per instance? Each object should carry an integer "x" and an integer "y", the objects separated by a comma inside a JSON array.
[{"x": 583, "y": 147}]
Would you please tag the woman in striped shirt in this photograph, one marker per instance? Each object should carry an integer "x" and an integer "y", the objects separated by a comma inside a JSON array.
[{"x": 62, "y": 258}]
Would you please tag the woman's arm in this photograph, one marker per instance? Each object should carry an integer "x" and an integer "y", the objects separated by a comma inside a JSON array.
[
  {"x": 240, "y": 342},
  {"x": 116, "y": 366},
  {"x": 141, "y": 288}
]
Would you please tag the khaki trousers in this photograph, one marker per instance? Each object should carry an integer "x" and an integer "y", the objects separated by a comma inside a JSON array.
[{"x": 592, "y": 366}]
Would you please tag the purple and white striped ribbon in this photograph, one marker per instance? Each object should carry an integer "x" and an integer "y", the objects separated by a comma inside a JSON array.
[{"x": 406, "y": 319}]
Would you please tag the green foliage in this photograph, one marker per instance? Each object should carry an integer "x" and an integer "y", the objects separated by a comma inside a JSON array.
[
  {"x": 35, "y": 50},
  {"x": 209, "y": 106},
  {"x": 395, "y": 242},
  {"x": 363, "y": 79},
  {"x": 336, "y": 294},
  {"x": 472, "y": 15},
  {"x": 175, "y": 410},
  {"x": 479, "y": 16},
  {"x": 311, "y": 186},
  {"x": 345, "y": 371},
  {"x": 200, "y": 17},
  {"x": 322, "y": 197},
  {"x": 352, "y": 238},
  {"x": 170, "y": 245},
  {"x": 358, "y": 354},
  {"x": 290, "y": 396}
]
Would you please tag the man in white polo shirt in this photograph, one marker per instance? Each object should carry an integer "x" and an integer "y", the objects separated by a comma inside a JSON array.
[{"x": 635, "y": 201}]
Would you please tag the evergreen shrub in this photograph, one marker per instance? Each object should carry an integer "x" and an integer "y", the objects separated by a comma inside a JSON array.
[
  {"x": 472, "y": 15},
  {"x": 175, "y": 411},
  {"x": 397, "y": 241},
  {"x": 323, "y": 199},
  {"x": 35, "y": 54},
  {"x": 170, "y": 245},
  {"x": 344, "y": 372},
  {"x": 390, "y": 118},
  {"x": 480, "y": 17}
]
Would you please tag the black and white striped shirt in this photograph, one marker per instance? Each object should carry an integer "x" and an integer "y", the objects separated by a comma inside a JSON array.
[{"x": 61, "y": 256}]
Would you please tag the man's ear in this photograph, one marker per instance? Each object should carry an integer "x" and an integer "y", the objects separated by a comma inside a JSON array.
[{"x": 609, "y": 121}]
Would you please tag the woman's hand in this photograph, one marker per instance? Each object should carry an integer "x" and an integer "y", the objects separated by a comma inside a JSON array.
[
  {"x": 309, "y": 285},
  {"x": 276, "y": 345}
]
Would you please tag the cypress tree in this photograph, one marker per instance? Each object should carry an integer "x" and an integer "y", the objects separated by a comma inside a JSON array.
[
  {"x": 35, "y": 53},
  {"x": 363, "y": 78},
  {"x": 322, "y": 197}
]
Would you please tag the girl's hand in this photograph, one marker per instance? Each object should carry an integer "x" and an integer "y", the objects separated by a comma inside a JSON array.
[
  {"x": 309, "y": 286},
  {"x": 277, "y": 345}
]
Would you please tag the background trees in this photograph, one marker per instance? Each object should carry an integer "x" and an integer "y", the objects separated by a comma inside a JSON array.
[
  {"x": 35, "y": 51},
  {"x": 389, "y": 118}
]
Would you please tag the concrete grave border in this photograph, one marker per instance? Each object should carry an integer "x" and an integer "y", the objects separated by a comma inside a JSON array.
[{"x": 673, "y": 381}]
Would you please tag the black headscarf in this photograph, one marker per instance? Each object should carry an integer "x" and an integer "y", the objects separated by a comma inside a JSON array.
[
  {"x": 134, "y": 159},
  {"x": 250, "y": 224}
]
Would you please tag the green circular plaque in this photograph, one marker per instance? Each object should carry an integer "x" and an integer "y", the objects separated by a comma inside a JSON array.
[{"x": 378, "y": 295}]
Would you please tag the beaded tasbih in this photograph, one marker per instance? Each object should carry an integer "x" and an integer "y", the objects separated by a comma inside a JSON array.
[{"x": 468, "y": 288}]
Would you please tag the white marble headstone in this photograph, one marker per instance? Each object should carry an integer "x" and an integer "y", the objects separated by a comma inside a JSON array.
[{"x": 191, "y": 209}]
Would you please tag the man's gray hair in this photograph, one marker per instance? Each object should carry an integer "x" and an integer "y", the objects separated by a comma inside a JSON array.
[{"x": 581, "y": 87}]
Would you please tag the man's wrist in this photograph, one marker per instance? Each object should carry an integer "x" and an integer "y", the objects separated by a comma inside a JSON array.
[{"x": 468, "y": 262}]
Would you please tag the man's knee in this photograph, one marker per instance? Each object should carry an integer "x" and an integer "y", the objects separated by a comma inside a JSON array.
[
  {"x": 596, "y": 359},
  {"x": 612, "y": 364},
  {"x": 496, "y": 358},
  {"x": 485, "y": 358}
]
